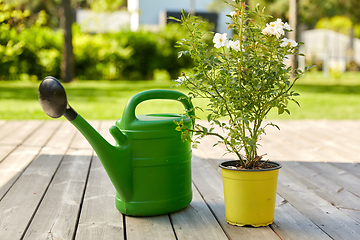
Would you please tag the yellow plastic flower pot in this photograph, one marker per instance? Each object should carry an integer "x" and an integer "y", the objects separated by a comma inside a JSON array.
[{"x": 249, "y": 194}]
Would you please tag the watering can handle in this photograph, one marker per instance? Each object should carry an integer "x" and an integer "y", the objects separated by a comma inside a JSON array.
[{"x": 129, "y": 111}]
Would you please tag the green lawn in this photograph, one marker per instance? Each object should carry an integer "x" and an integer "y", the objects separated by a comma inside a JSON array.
[
  {"x": 321, "y": 98},
  {"x": 326, "y": 98}
]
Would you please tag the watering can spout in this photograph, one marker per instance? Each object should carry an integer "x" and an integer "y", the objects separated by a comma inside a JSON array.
[{"x": 117, "y": 160}]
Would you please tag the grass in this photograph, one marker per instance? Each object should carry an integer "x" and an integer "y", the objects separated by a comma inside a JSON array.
[
  {"x": 91, "y": 99},
  {"x": 321, "y": 98},
  {"x": 325, "y": 97}
]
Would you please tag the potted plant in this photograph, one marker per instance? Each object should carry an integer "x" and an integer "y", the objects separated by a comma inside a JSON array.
[{"x": 243, "y": 77}]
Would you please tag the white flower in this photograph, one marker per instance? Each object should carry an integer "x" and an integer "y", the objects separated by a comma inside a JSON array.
[
  {"x": 220, "y": 40},
  {"x": 235, "y": 45},
  {"x": 278, "y": 23},
  {"x": 270, "y": 30},
  {"x": 180, "y": 79},
  {"x": 287, "y": 27},
  {"x": 288, "y": 43},
  {"x": 276, "y": 28},
  {"x": 233, "y": 13}
]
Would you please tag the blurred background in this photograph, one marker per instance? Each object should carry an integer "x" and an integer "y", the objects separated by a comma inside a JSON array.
[{"x": 107, "y": 50}]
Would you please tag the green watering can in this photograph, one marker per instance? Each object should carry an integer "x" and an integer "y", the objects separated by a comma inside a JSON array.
[{"x": 150, "y": 166}]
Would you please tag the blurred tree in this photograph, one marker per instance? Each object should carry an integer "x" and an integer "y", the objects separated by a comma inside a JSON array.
[
  {"x": 62, "y": 10},
  {"x": 106, "y": 5},
  {"x": 13, "y": 18},
  {"x": 67, "y": 61},
  {"x": 293, "y": 21},
  {"x": 352, "y": 9},
  {"x": 341, "y": 24}
]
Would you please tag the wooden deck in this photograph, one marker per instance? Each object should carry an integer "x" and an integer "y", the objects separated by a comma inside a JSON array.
[{"x": 52, "y": 186}]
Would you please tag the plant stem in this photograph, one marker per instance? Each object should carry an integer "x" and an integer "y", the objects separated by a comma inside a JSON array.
[{"x": 225, "y": 141}]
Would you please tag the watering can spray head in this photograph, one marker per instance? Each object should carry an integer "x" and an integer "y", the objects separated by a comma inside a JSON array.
[{"x": 53, "y": 100}]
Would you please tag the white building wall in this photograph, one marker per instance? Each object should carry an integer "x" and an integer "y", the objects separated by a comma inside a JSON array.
[
  {"x": 149, "y": 10},
  {"x": 330, "y": 47},
  {"x": 100, "y": 22}
]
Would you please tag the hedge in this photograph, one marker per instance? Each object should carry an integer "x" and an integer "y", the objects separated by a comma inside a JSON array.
[{"x": 35, "y": 52}]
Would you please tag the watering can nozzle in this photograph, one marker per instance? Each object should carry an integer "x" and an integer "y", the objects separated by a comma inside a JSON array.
[
  {"x": 53, "y": 100},
  {"x": 52, "y": 97}
]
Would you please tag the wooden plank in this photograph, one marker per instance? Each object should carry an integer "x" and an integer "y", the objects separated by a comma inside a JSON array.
[
  {"x": 324, "y": 187},
  {"x": 289, "y": 223},
  {"x": 5, "y": 151},
  {"x": 13, "y": 166},
  {"x": 20, "y": 132},
  {"x": 353, "y": 213},
  {"x": 62, "y": 137},
  {"x": 344, "y": 134},
  {"x": 2, "y": 122},
  {"x": 196, "y": 221},
  {"x": 99, "y": 218},
  {"x": 331, "y": 220},
  {"x": 57, "y": 215},
  {"x": 43, "y": 133},
  {"x": 155, "y": 227},
  {"x": 36, "y": 138},
  {"x": 337, "y": 175},
  {"x": 324, "y": 140},
  {"x": 352, "y": 168},
  {"x": 309, "y": 140},
  {"x": 209, "y": 183},
  {"x": 302, "y": 140},
  {"x": 15, "y": 163},
  {"x": 8, "y": 129},
  {"x": 21, "y": 201},
  {"x": 328, "y": 145}
]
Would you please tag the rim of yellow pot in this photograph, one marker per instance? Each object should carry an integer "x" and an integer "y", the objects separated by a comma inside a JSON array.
[{"x": 226, "y": 164}]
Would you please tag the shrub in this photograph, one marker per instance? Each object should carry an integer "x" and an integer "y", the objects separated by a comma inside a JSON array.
[
  {"x": 26, "y": 52},
  {"x": 142, "y": 58},
  {"x": 168, "y": 54},
  {"x": 35, "y": 52},
  {"x": 98, "y": 57}
]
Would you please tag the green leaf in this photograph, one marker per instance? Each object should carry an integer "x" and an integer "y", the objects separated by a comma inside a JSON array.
[
  {"x": 297, "y": 103},
  {"x": 274, "y": 125},
  {"x": 183, "y": 138},
  {"x": 173, "y": 18},
  {"x": 280, "y": 110}
]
